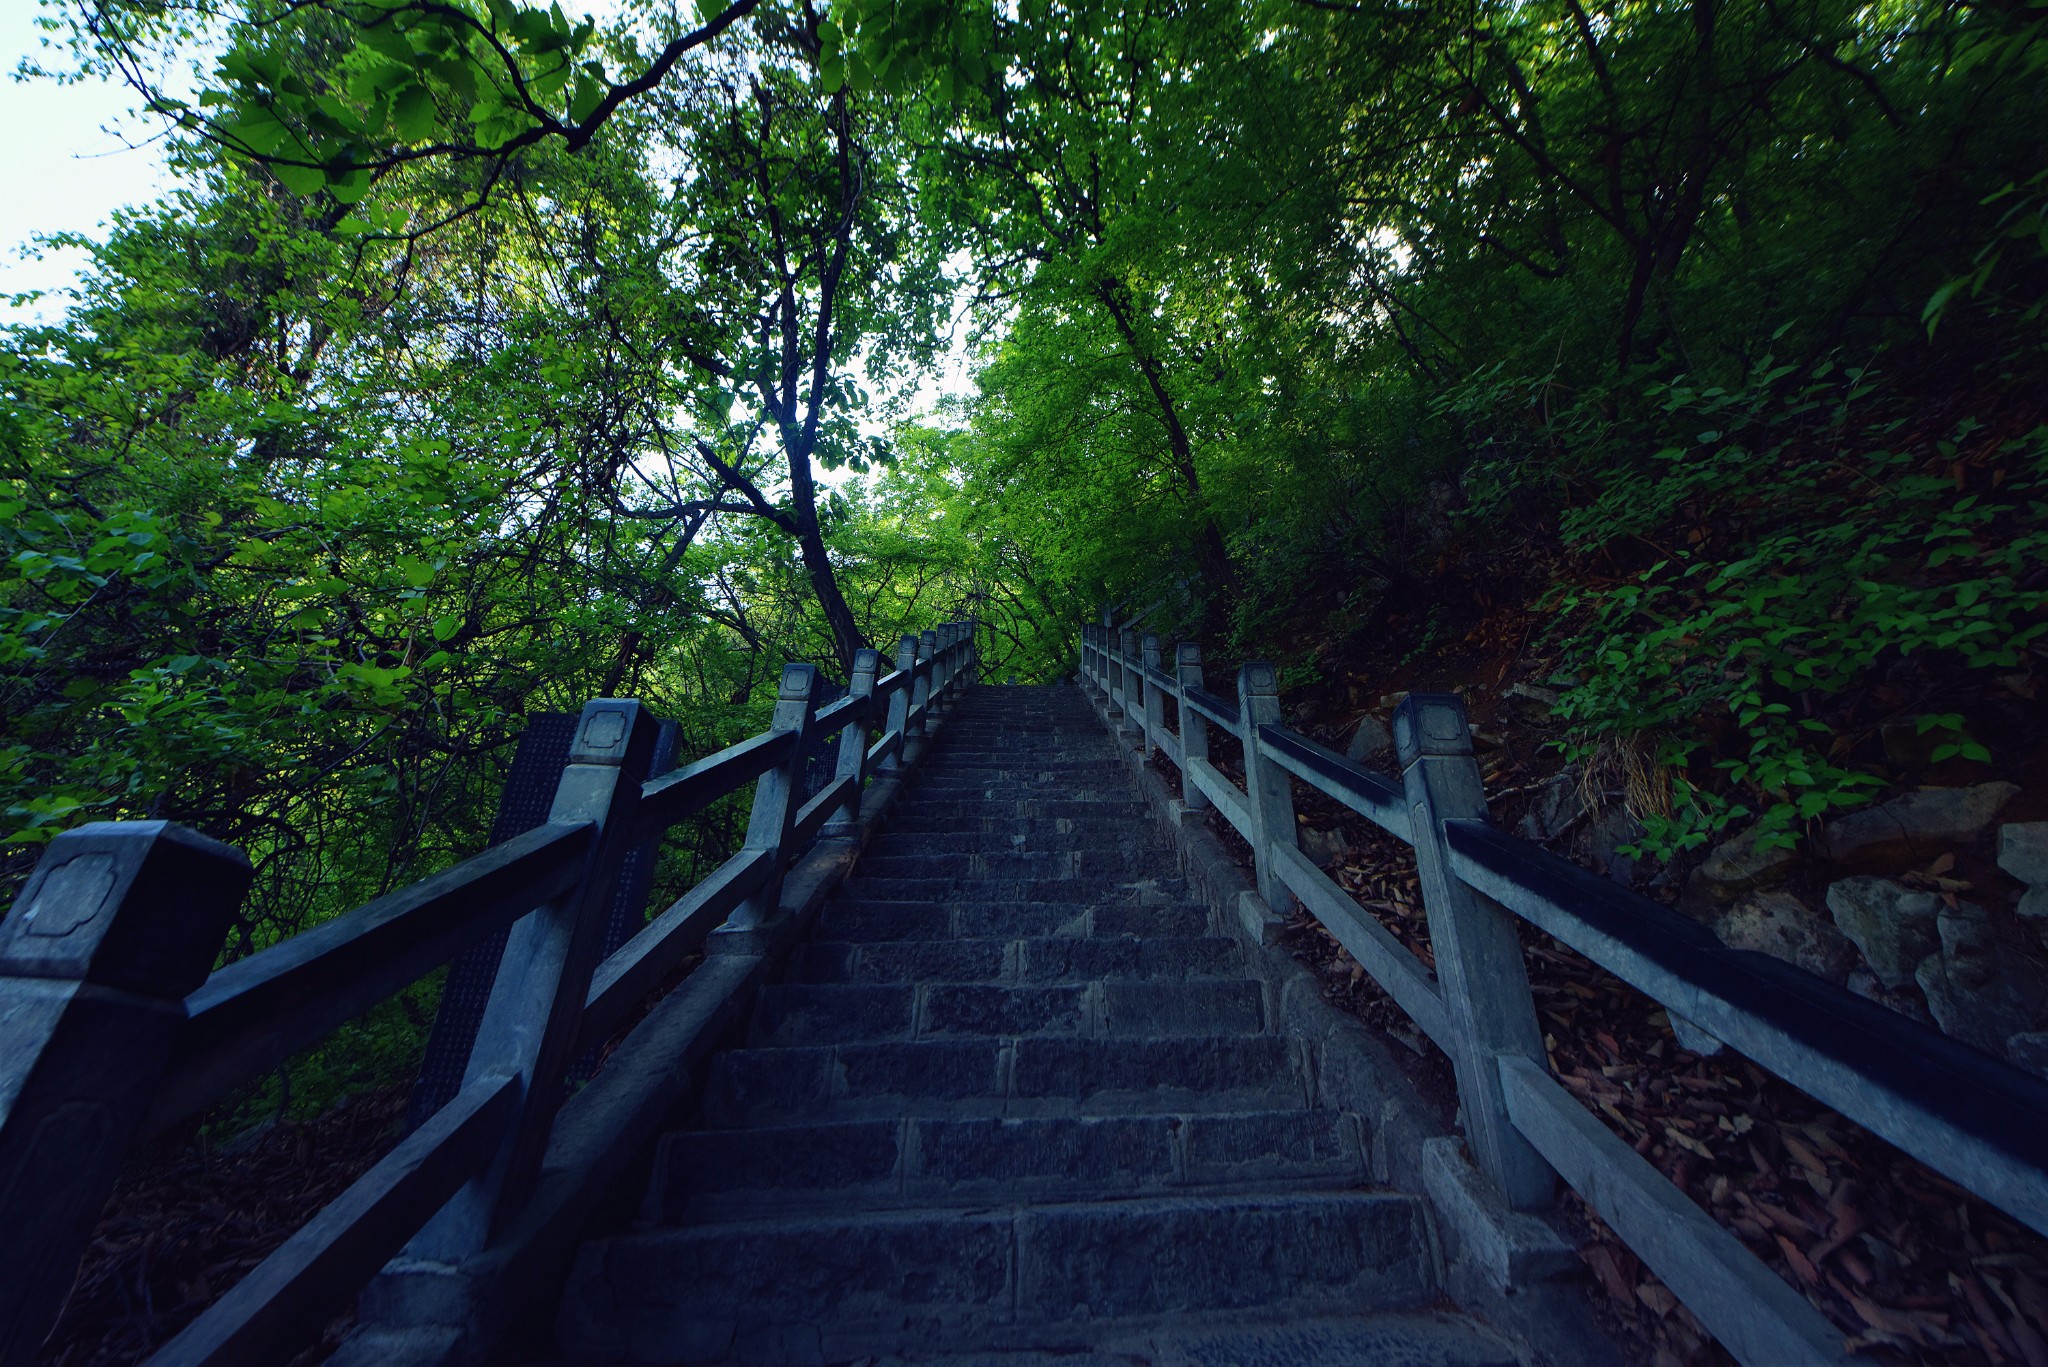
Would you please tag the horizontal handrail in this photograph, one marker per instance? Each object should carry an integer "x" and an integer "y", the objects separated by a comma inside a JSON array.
[
  {"x": 1748, "y": 1307},
  {"x": 1228, "y": 797},
  {"x": 1392, "y": 965},
  {"x": 1972, "y": 1117},
  {"x": 639, "y": 965},
  {"x": 813, "y": 815},
  {"x": 682, "y": 793},
  {"x": 1352, "y": 784},
  {"x": 257, "y": 1012},
  {"x": 849, "y": 709},
  {"x": 1209, "y": 705},
  {"x": 314, "y": 1274}
]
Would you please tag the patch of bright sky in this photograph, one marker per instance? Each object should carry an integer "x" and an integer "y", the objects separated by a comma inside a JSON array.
[{"x": 77, "y": 153}]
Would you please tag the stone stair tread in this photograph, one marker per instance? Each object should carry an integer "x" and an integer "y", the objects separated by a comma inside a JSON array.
[
  {"x": 1042, "y": 1276},
  {"x": 1043, "y": 959},
  {"x": 1396, "y": 1339},
  {"x": 825, "y": 1013},
  {"x": 1034, "y": 1076},
  {"x": 942, "y": 1160}
]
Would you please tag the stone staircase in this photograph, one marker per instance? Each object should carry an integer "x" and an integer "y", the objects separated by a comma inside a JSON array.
[{"x": 1017, "y": 1098}]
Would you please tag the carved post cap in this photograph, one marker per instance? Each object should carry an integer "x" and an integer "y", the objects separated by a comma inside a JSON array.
[
  {"x": 611, "y": 731},
  {"x": 1151, "y": 645},
  {"x": 1187, "y": 653},
  {"x": 1259, "y": 678},
  {"x": 929, "y": 643},
  {"x": 64, "y": 924},
  {"x": 799, "y": 681},
  {"x": 1431, "y": 724},
  {"x": 866, "y": 665},
  {"x": 906, "y": 652}
]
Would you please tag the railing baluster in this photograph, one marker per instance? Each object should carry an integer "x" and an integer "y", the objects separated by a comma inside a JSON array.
[
  {"x": 776, "y": 798},
  {"x": 1479, "y": 967},
  {"x": 853, "y": 744},
  {"x": 1269, "y": 790},
  {"x": 1153, "y": 710},
  {"x": 535, "y": 1012},
  {"x": 117, "y": 924},
  {"x": 1194, "y": 727}
]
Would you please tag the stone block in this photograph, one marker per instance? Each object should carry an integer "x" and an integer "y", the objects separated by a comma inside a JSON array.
[
  {"x": 858, "y": 921},
  {"x": 977, "y": 1009},
  {"x": 1124, "y": 1152},
  {"x": 1203, "y": 1007},
  {"x": 1219, "y": 1073},
  {"x": 1356, "y": 1251},
  {"x": 1263, "y": 1146},
  {"x": 1508, "y": 1248},
  {"x": 928, "y": 1070},
  {"x": 829, "y": 1013}
]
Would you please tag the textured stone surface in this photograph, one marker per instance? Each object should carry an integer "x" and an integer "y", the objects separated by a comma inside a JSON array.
[
  {"x": 1782, "y": 926},
  {"x": 1920, "y": 825},
  {"x": 1982, "y": 988},
  {"x": 1737, "y": 865},
  {"x": 1892, "y": 924},
  {"x": 1370, "y": 739},
  {"x": 2023, "y": 853}
]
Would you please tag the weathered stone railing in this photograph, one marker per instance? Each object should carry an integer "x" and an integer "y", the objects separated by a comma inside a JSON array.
[
  {"x": 112, "y": 1028},
  {"x": 1976, "y": 1119}
]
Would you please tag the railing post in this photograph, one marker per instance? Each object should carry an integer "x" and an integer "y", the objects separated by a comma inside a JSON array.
[
  {"x": 853, "y": 744},
  {"x": 921, "y": 683},
  {"x": 1269, "y": 789},
  {"x": 899, "y": 701},
  {"x": 119, "y": 921},
  {"x": 1194, "y": 727},
  {"x": 1127, "y": 650},
  {"x": 1154, "y": 696},
  {"x": 535, "y": 1012},
  {"x": 777, "y": 796},
  {"x": 1479, "y": 964}
]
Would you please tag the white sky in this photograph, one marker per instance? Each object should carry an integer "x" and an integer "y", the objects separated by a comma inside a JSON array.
[
  {"x": 75, "y": 154},
  {"x": 67, "y": 163}
]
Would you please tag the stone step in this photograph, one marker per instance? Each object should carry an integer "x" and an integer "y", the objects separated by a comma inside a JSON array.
[
  {"x": 1092, "y": 891},
  {"x": 1119, "y": 865},
  {"x": 863, "y": 920},
  {"x": 1006, "y": 840},
  {"x": 707, "y": 1174},
  {"x": 1033, "y": 960},
  {"x": 1038, "y": 1076},
  {"x": 1398, "y": 1339},
  {"x": 1053, "y": 1276},
  {"x": 912, "y": 826},
  {"x": 791, "y": 1014},
  {"x": 1117, "y": 810}
]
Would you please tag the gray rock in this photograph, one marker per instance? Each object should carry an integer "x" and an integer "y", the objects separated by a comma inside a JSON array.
[
  {"x": 1920, "y": 825},
  {"x": 1892, "y": 924},
  {"x": 2023, "y": 851},
  {"x": 1980, "y": 989},
  {"x": 1737, "y": 866},
  {"x": 1612, "y": 829},
  {"x": 1323, "y": 848},
  {"x": 1532, "y": 704},
  {"x": 2029, "y": 1050},
  {"x": 1780, "y": 925},
  {"x": 1371, "y": 738},
  {"x": 2034, "y": 905},
  {"x": 1557, "y": 808}
]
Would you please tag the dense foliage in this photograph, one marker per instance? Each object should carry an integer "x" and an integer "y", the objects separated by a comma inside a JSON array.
[{"x": 490, "y": 359}]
